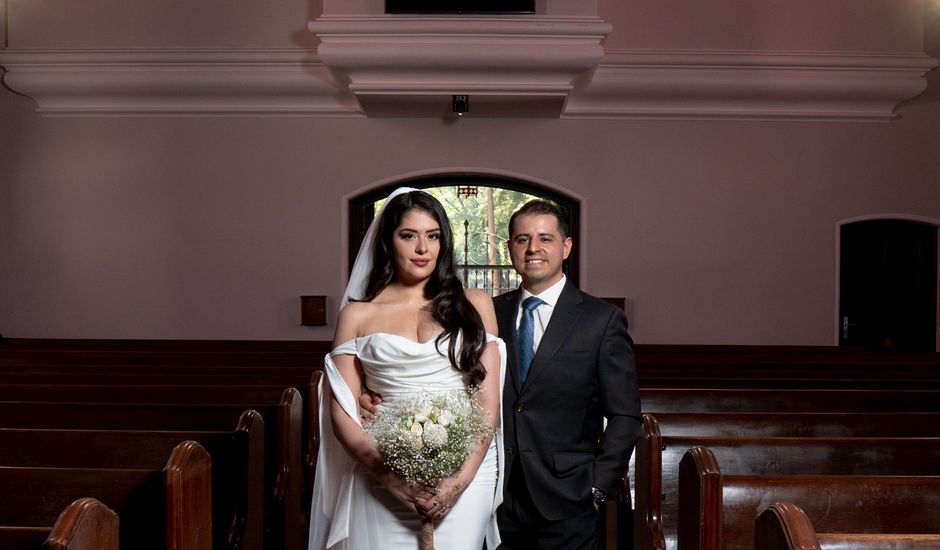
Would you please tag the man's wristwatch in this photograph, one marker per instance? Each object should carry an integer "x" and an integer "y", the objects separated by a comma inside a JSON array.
[{"x": 599, "y": 496}]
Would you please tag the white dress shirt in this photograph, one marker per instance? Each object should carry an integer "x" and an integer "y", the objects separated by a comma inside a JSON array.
[{"x": 542, "y": 314}]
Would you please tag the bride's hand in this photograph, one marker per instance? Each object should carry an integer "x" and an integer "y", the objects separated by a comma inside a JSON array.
[
  {"x": 409, "y": 494},
  {"x": 448, "y": 490}
]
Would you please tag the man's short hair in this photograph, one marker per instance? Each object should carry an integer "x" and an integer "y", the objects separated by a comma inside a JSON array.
[{"x": 538, "y": 207}]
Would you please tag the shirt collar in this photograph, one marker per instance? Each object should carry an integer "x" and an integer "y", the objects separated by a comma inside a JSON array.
[{"x": 551, "y": 294}]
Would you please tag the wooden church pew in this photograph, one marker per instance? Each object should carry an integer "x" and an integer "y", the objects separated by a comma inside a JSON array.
[
  {"x": 798, "y": 400},
  {"x": 227, "y": 394},
  {"x": 784, "y": 526},
  {"x": 145, "y": 393},
  {"x": 709, "y": 380},
  {"x": 57, "y": 366},
  {"x": 783, "y": 367},
  {"x": 168, "y": 508},
  {"x": 800, "y": 424},
  {"x": 210, "y": 364},
  {"x": 237, "y": 465},
  {"x": 194, "y": 378},
  {"x": 746, "y": 357},
  {"x": 23, "y": 538},
  {"x": 153, "y": 360},
  {"x": 717, "y": 510},
  {"x": 657, "y": 466},
  {"x": 253, "y": 353},
  {"x": 313, "y": 438},
  {"x": 85, "y": 524},
  {"x": 285, "y": 523}
]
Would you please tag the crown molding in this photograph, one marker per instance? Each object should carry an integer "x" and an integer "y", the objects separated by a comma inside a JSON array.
[
  {"x": 520, "y": 66},
  {"x": 823, "y": 86},
  {"x": 175, "y": 82}
]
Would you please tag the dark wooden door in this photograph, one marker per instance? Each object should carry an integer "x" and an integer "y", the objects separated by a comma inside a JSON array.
[{"x": 888, "y": 281}]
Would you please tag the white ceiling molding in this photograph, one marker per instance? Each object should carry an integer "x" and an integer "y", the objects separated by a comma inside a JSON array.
[
  {"x": 418, "y": 76},
  {"x": 824, "y": 86},
  {"x": 518, "y": 66},
  {"x": 175, "y": 82}
]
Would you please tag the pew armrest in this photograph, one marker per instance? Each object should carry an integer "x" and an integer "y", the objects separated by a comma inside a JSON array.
[
  {"x": 86, "y": 524},
  {"x": 188, "y": 478},
  {"x": 784, "y": 526}
]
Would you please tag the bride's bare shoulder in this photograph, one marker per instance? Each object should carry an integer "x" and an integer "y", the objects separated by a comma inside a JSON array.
[
  {"x": 479, "y": 298},
  {"x": 351, "y": 320},
  {"x": 484, "y": 306}
]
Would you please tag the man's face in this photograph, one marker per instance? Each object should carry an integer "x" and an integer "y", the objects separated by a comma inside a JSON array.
[{"x": 538, "y": 249}]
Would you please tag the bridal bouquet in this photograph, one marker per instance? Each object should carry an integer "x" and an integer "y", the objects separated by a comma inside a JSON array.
[{"x": 426, "y": 436}]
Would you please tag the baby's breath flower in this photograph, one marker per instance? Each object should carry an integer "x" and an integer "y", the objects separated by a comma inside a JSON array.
[{"x": 426, "y": 436}]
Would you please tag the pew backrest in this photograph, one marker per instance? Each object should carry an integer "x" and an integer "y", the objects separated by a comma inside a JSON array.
[
  {"x": 784, "y": 526},
  {"x": 284, "y": 435},
  {"x": 191, "y": 377},
  {"x": 144, "y": 393},
  {"x": 313, "y": 438},
  {"x": 658, "y": 457},
  {"x": 800, "y": 424},
  {"x": 237, "y": 465},
  {"x": 145, "y": 500},
  {"x": 288, "y": 485},
  {"x": 188, "y": 498},
  {"x": 86, "y": 524},
  {"x": 794, "y": 400},
  {"x": 717, "y": 510}
]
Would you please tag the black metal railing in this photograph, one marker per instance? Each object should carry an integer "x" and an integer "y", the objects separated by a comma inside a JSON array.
[{"x": 494, "y": 279}]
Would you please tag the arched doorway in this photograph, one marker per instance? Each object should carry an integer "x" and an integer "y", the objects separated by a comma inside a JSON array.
[
  {"x": 888, "y": 284},
  {"x": 481, "y": 274}
]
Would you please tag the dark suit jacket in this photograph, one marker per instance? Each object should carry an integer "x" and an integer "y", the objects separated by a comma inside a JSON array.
[{"x": 583, "y": 371}]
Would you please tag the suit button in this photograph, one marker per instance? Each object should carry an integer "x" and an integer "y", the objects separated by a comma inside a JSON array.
[
  {"x": 520, "y": 408},
  {"x": 508, "y": 450}
]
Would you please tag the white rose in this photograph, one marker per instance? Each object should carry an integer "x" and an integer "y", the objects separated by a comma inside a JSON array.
[
  {"x": 435, "y": 436},
  {"x": 414, "y": 439},
  {"x": 422, "y": 415},
  {"x": 445, "y": 418}
]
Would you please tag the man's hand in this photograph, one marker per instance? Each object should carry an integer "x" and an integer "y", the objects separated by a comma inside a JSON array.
[
  {"x": 368, "y": 403},
  {"x": 600, "y": 497}
]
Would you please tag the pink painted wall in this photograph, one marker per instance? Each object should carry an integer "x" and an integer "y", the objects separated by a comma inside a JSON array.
[
  {"x": 795, "y": 25},
  {"x": 716, "y": 232}
]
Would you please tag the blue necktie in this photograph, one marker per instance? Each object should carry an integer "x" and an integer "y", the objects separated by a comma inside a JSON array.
[{"x": 527, "y": 335}]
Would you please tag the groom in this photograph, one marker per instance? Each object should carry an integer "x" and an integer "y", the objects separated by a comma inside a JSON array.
[{"x": 570, "y": 366}]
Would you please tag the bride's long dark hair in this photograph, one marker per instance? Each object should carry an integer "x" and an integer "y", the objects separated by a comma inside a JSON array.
[{"x": 449, "y": 306}]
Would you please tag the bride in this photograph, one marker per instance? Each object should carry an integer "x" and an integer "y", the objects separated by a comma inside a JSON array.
[{"x": 406, "y": 324}]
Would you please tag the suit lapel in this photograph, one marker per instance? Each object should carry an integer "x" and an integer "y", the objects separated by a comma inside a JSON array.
[
  {"x": 507, "y": 322},
  {"x": 564, "y": 317}
]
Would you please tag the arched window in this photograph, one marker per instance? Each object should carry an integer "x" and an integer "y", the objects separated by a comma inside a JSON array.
[{"x": 479, "y": 206}]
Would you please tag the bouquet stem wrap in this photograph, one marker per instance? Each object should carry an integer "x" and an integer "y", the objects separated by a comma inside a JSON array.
[{"x": 427, "y": 535}]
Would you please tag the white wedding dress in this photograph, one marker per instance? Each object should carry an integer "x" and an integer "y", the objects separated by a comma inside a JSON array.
[{"x": 351, "y": 510}]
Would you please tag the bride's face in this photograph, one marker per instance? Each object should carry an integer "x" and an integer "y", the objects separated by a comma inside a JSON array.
[{"x": 417, "y": 244}]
